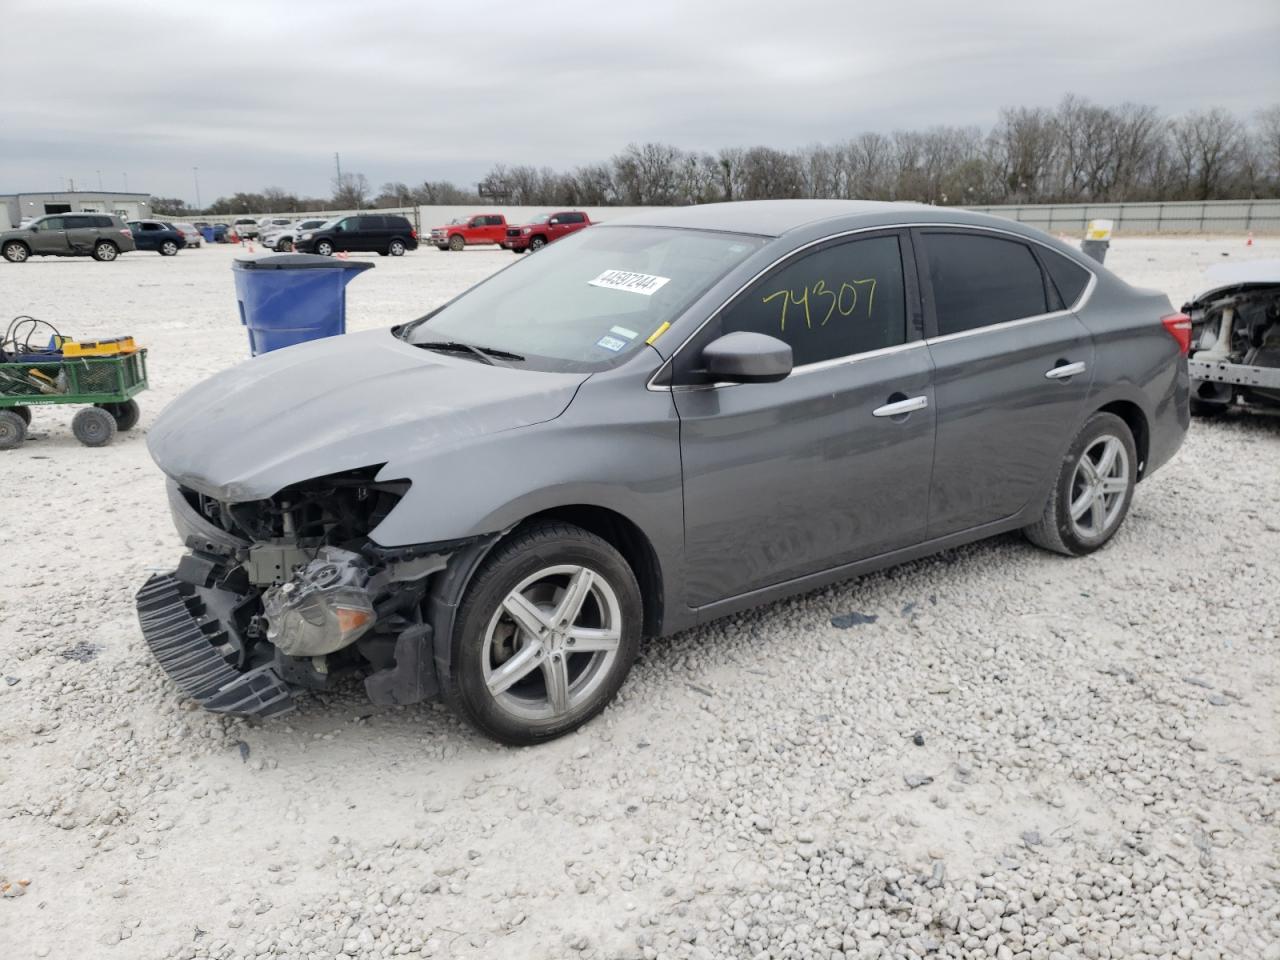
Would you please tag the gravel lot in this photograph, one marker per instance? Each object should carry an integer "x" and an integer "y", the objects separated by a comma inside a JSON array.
[{"x": 1019, "y": 756}]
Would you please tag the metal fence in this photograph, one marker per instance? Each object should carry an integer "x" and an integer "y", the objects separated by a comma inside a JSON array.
[{"x": 1210, "y": 216}]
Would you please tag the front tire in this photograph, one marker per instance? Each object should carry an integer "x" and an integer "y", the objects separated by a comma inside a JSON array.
[
  {"x": 545, "y": 636},
  {"x": 536, "y": 244},
  {"x": 457, "y": 242},
  {"x": 324, "y": 248},
  {"x": 16, "y": 252},
  {"x": 1092, "y": 493},
  {"x": 284, "y": 246},
  {"x": 94, "y": 427}
]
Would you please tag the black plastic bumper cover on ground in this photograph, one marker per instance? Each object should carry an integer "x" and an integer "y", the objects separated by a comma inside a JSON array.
[{"x": 177, "y": 630}]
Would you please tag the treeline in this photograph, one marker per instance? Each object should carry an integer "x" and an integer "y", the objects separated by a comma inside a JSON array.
[{"x": 1077, "y": 152}]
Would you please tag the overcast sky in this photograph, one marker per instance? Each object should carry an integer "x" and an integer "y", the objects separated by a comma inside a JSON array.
[{"x": 263, "y": 93}]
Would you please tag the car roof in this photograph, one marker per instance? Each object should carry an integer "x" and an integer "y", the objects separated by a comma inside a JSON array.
[{"x": 769, "y": 218}]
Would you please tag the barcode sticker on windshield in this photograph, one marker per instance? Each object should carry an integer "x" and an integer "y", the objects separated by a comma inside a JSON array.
[{"x": 643, "y": 283}]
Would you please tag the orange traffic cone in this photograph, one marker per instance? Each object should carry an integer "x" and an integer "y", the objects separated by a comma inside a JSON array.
[
  {"x": 251, "y": 250},
  {"x": 1249, "y": 242}
]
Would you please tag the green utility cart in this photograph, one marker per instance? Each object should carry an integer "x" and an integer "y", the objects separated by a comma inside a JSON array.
[{"x": 108, "y": 384}]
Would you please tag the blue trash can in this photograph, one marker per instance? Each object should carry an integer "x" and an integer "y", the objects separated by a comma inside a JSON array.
[
  {"x": 207, "y": 233},
  {"x": 293, "y": 297}
]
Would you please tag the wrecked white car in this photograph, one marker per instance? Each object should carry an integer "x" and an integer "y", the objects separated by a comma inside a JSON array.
[{"x": 1235, "y": 338}]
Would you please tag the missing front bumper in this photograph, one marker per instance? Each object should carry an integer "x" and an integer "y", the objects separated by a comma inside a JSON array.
[{"x": 188, "y": 638}]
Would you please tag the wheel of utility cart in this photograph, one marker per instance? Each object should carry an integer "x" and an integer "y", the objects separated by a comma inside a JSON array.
[
  {"x": 24, "y": 413},
  {"x": 126, "y": 414},
  {"x": 94, "y": 427},
  {"x": 13, "y": 429}
]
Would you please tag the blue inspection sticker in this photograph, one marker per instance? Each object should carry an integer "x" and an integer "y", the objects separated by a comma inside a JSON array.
[{"x": 611, "y": 343}]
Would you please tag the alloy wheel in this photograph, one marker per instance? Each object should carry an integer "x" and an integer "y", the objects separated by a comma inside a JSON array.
[
  {"x": 552, "y": 642},
  {"x": 1098, "y": 487}
]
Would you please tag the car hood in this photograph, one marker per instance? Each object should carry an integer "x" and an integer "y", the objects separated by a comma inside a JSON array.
[{"x": 339, "y": 404}]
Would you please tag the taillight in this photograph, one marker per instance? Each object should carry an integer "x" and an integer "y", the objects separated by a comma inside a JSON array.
[
  {"x": 413, "y": 234},
  {"x": 1179, "y": 327},
  {"x": 126, "y": 232}
]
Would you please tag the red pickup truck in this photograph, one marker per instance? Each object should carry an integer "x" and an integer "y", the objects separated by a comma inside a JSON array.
[
  {"x": 465, "y": 231},
  {"x": 540, "y": 231}
]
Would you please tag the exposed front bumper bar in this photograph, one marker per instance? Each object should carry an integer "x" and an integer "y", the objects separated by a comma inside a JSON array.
[
  {"x": 183, "y": 635},
  {"x": 1241, "y": 374}
]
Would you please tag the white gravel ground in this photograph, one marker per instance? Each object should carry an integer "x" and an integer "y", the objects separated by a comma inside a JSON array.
[{"x": 1096, "y": 772}]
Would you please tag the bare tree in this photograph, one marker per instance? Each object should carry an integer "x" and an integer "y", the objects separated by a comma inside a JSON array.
[
  {"x": 1208, "y": 148},
  {"x": 351, "y": 190}
]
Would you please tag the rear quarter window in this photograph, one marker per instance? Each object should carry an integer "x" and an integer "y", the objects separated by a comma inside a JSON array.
[
  {"x": 979, "y": 280},
  {"x": 1068, "y": 276}
]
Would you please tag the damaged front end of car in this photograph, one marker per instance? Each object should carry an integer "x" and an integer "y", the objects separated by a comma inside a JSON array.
[
  {"x": 1235, "y": 338},
  {"x": 278, "y": 594}
]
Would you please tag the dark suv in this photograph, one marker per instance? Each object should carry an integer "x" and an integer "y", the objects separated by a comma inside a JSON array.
[
  {"x": 386, "y": 234},
  {"x": 164, "y": 238},
  {"x": 98, "y": 235}
]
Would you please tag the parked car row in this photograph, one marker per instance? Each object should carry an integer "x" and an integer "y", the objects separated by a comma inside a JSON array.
[
  {"x": 99, "y": 235},
  {"x": 482, "y": 228}
]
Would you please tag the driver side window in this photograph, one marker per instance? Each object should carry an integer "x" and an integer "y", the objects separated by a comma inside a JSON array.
[{"x": 837, "y": 301}]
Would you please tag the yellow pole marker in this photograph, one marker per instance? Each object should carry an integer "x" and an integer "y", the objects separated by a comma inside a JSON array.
[{"x": 659, "y": 332}]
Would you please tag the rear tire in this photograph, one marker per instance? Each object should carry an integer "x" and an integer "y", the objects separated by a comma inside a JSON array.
[
  {"x": 560, "y": 684},
  {"x": 125, "y": 414},
  {"x": 169, "y": 249},
  {"x": 105, "y": 251},
  {"x": 94, "y": 427},
  {"x": 396, "y": 248},
  {"x": 13, "y": 429},
  {"x": 16, "y": 252},
  {"x": 1092, "y": 493}
]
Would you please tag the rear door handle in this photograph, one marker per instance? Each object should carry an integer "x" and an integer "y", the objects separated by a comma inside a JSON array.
[
  {"x": 900, "y": 407},
  {"x": 1066, "y": 370}
]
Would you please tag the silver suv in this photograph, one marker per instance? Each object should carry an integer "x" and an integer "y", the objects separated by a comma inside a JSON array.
[
  {"x": 102, "y": 236},
  {"x": 280, "y": 238}
]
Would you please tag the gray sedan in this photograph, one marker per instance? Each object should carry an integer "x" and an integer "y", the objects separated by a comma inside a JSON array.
[{"x": 656, "y": 422}]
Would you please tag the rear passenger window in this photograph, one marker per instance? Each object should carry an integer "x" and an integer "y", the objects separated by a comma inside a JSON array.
[
  {"x": 979, "y": 280},
  {"x": 843, "y": 299},
  {"x": 1068, "y": 276},
  {"x": 102, "y": 222}
]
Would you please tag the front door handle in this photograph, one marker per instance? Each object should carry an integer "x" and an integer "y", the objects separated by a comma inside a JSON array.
[
  {"x": 1066, "y": 370},
  {"x": 901, "y": 407}
]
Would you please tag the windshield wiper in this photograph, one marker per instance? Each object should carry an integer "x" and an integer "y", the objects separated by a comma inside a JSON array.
[{"x": 482, "y": 354}]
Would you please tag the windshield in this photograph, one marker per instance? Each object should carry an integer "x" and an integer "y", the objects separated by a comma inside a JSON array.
[
  {"x": 589, "y": 301},
  {"x": 542, "y": 218}
]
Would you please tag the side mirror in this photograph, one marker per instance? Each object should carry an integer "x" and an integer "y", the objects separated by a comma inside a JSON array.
[
  {"x": 747, "y": 358},
  {"x": 33, "y": 228}
]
